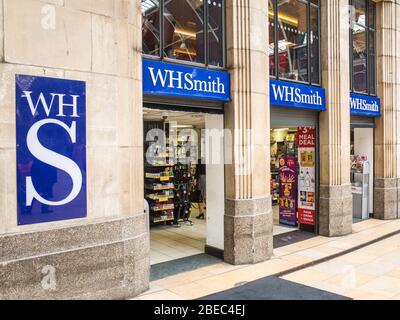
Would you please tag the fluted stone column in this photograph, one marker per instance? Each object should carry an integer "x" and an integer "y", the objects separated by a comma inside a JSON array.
[
  {"x": 387, "y": 151},
  {"x": 335, "y": 188},
  {"x": 248, "y": 213}
]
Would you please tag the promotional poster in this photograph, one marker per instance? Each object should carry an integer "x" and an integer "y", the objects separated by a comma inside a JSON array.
[
  {"x": 288, "y": 191},
  {"x": 306, "y": 195}
]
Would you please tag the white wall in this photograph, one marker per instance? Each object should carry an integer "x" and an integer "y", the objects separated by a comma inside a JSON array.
[
  {"x": 215, "y": 183},
  {"x": 364, "y": 145}
]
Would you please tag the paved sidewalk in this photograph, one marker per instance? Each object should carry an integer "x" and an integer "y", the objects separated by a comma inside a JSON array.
[
  {"x": 221, "y": 276},
  {"x": 372, "y": 272}
]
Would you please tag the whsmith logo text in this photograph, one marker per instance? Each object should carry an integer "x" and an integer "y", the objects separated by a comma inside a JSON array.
[
  {"x": 174, "y": 80},
  {"x": 296, "y": 95}
]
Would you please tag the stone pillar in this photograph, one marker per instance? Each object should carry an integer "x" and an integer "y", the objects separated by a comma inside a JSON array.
[
  {"x": 335, "y": 189},
  {"x": 105, "y": 255},
  {"x": 387, "y": 150},
  {"x": 248, "y": 212}
]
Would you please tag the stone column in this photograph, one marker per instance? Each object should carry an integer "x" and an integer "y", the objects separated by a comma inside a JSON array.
[
  {"x": 387, "y": 150},
  {"x": 106, "y": 254},
  {"x": 248, "y": 212},
  {"x": 335, "y": 188}
]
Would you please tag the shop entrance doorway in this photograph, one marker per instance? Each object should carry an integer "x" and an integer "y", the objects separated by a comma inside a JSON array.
[
  {"x": 183, "y": 190},
  {"x": 362, "y": 171},
  {"x": 294, "y": 179}
]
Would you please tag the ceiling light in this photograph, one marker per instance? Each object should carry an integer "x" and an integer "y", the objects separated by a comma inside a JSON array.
[
  {"x": 185, "y": 33},
  {"x": 285, "y": 18}
]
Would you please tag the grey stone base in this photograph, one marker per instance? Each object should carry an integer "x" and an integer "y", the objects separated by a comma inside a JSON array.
[
  {"x": 248, "y": 231},
  {"x": 335, "y": 211},
  {"x": 108, "y": 260},
  {"x": 386, "y": 198}
]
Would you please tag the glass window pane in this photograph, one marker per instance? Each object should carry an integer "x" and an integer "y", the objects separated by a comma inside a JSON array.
[
  {"x": 151, "y": 27},
  {"x": 371, "y": 14},
  {"x": 314, "y": 45},
  {"x": 359, "y": 59},
  {"x": 184, "y": 30},
  {"x": 359, "y": 12},
  {"x": 215, "y": 32},
  {"x": 372, "y": 64},
  {"x": 292, "y": 40},
  {"x": 271, "y": 28}
]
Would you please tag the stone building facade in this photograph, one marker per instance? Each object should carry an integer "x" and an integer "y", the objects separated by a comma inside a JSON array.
[{"x": 106, "y": 254}]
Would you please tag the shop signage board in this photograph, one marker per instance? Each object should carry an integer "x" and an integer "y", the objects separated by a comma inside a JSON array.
[
  {"x": 174, "y": 80},
  {"x": 287, "y": 94},
  {"x": 306, "y": 186},
  {"x": 51, "y": 149},
  {"x": 288, "y": 191},
  {"x": 365, "y": 105}
]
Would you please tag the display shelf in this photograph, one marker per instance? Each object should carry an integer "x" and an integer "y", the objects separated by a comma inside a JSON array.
[
  {"x": 162, "y": 219},
  {"x": 160, "y": 198},
  {"x": 156, "y": 176},
  {"x": 159, "y": 188},
  {"x": 156, "y": 209},
  {"x": 160, "y": 165}
]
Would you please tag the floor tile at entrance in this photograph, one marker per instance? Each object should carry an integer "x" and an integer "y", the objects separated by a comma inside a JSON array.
[
  {"x": 169, "y": 243},
  {"x": 281, "y": 229}
]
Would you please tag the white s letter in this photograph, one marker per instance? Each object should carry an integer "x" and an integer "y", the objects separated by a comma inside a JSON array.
[{"x": 55, "y": 160}]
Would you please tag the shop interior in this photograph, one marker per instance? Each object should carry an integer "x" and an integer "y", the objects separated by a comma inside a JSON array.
[
  {"x": 184, "y": 196},
  {"x": 293, "y": 181},
  {"x": 362, "y": 172}
]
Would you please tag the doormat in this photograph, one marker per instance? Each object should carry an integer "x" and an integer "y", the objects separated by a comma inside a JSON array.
[
  {"x": 286, "y": 239},
  {"x": 171, "y": 268}
]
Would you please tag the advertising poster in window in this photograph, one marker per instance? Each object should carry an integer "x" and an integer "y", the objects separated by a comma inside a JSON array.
[
  {"x": 306, "y": 186},
  {"x": 288, "y": 191}
]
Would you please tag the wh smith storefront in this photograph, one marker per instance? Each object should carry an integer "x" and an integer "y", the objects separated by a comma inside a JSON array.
[
  {"x": 295, "y": 154},
  {"x": 183, "y": 181},
  {"x": 364, "y": 110}
]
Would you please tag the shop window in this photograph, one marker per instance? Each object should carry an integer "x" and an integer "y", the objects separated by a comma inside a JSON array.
[
  {"x": 272, "y": 38},
  {"x": 184, "y": 30},
  {"x": 363, "y": 48},
  {"x": 294, "y": 45},
  {"x": 151, "y": 27},
  {"x": 216, "y": 33},
  {"x": 191, "y": 30}
]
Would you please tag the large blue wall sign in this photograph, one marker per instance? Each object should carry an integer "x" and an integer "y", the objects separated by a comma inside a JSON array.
[
  {"x": 365, "y": 105},
  {"x": 173, "y": 80},
  {"x": 51, "y": 149},
  {"x": 287, "y": 94}
]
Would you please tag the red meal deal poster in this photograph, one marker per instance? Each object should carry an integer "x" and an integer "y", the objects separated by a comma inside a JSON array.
[
  {"x": 288, "y": 191},
  {"x": 306, "y": 178}
]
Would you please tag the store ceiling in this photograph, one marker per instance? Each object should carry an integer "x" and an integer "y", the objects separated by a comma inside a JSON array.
[{"x": 182, "y": 118}]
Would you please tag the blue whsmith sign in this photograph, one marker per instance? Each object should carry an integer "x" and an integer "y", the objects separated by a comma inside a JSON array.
[
  {"x": 365, "y": 105},
  {"x": 173, "y": 80},
  {"x": 287, "y": 94}
]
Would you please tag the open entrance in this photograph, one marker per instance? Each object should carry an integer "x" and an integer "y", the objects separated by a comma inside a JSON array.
[
  {"x": 362, "y": 167},
  {"x": 294, "y": 175},
  {"x": 184, "y": 192}
]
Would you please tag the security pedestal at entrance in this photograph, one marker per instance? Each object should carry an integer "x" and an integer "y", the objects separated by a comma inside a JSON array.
[{"x": 360, "y": 188}]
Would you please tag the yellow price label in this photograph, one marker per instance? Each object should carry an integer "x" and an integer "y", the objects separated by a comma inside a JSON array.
[
  {"x": 163, "y": 199},
  {"x": 164, "y": 178}
]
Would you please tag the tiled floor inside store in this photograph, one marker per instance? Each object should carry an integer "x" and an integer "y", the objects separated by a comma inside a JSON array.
[{"x": 169, "y": 243}]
